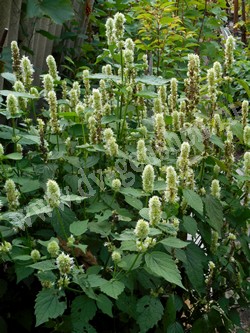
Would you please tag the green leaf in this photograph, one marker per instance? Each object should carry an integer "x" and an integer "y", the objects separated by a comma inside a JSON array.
[
  {"x": 174, "y": 242},
  {"x": 150, "y": 311},
  {"x": 214, "y": 212},
  {"x": 83, "y": 309},
  {"x": 32, "y": 9},
  {"x": 134, "y": 202},
  {"x": 193, "y": 200},
  {"x": 175, "y": 328},
  {"x": 144, "y": 213},
  {"x": 17, "y": 94},
  {"x": 105, "y": 305},
  {"x": 46, "y": 265},
  {"x": 190, "y": 225},
  {"x": 113, "y": 288},
  {"x": 48, "y": 305},
  {"x": 9, "y": 77},
  {"x": 58, "y": 10},
  {"x": 163, "y": 265},
  {"x": 72, "y": 197},
  {"x": 147, "y": 94},
  {"x": 78, "y": 228},
  {"x": 151, "y": 80},
  {"x": 130, "y": 261},
  {"x": 196, "y": 258},
  {"x": 245, "y": 85},
  {"x": 14, "y": 156}
]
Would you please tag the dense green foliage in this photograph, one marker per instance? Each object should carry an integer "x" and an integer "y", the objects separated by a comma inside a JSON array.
[{"x": 125, "y": 196}]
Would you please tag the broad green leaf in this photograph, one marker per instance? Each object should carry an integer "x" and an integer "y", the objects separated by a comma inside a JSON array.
[
  {"x": 214, "y": 212},
  {"x": 163, "y": 265},
  {"x": 175, "y": 328},
  {"x": 194, "y": 200},
  {"x": 113, "y": 288},
  {"x": 190, "y": 225},
  {"x": 9, "y": 77},
  {"x": 150, "y": 311},
  {"x": 174, "y": 242},
  {"x": 72, "y": 197},
  {"x": 144, "y": 213},
  {"x": 32, "y": 9},
  {"x": 96, "y": 281},
  {"x": 37, "y": 207},
  {"x": 48, "y": 305},
  {"x": 105, "y": 305},
  {"x": 217, "y": 141},
  {"x": 147, "y": 94},
  {"x": 127, "y": 304},
  {"x": 151, "y": 80},
  {"x": 245, "y": 85},
  {"x": 17, "y": 94},
  {"x": 83, "y": 309},
  {"x": 58, "y": 10},
  {"x": 196, "y": 260},
  {"x": 78, "y": 228},
  {"x": 134, "y": 202},
  {"x": 46, "y": 265},
  {"x": 100, "y": 76},
  {"x": 22, "y": 257},
  {"x": 14, "y": 156},
  {"x": 30, "y": 185},
  {"x": 130, "y": 262}
]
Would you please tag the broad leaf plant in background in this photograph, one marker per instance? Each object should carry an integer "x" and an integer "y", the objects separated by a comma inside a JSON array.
[{"x": 124, "y": 196}]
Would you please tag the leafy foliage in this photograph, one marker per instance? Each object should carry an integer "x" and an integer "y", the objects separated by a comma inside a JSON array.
[{"x": 125, "y": 196}]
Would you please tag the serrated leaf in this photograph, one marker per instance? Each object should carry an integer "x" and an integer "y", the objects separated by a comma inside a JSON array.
[
  {"x": 134, "y": 202},
  {"x": 196, "y": 258},
  {"x": 190, "y": 225},
  {"x": 163, "y": 265},
  {"x": 214, "y": 212},
  {"x": 83, "y": 309},
  {"x": 151, "y": 80},
  {"x": 194, "y": 200},
  {"x": 17, "y": 94},
  {"x": 72, "y": 197},
  {"x": 9, "y": 77},
  {"x": 46, "y": 265},
  {"x": 113, "y": 288},
  {"x": 130, "y": 261},
  {"x": 175, "y": 328},
  {"x": 78, "y": 228},
  {"x": 48, "y": 305},
  {"x": 147, "y": 94},
  {"x": 174, "y": 242},
  {"x": 150, "y": 311},
  {"x": 105, "y": 305},
  {"x": 144, "y": 213},
  {"x": 58, "y": 10},
  {"x": 14, "y": 156}
]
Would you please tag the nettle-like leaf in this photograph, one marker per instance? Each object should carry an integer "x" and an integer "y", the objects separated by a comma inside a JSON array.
[
  {"x": 214, "y": 212},
  {"x": 150, "y": 311},
  {"x": 112, "y": 288},
  {"x": 194, "y": 200},
  {"x": 163, "y": 265},
  {"x": 83, "y": 309},
  {"x": 50, "y": 304},
  {"x": 105, "y": 305}
]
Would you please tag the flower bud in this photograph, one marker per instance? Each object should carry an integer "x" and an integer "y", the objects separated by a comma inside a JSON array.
[
  {"x": 116, "y": 184},
  {"x": 142, "y": 229},
  {"x": 64, "y": 263},
  {"x": 35, "y": 255},
  {"x": 155, "y": 210},
  {"x": 116, "y": 257},
  {"x": 53, "y": 193},
  {"x": 148, "y": 177},
  {"x": 53, "y": 248}
]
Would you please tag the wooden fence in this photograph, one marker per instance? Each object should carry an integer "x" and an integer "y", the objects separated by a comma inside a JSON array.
[{"x": 25, "y": 31}]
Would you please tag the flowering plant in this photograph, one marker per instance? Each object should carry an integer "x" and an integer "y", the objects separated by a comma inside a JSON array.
[{"x": 121, "y": 199}]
